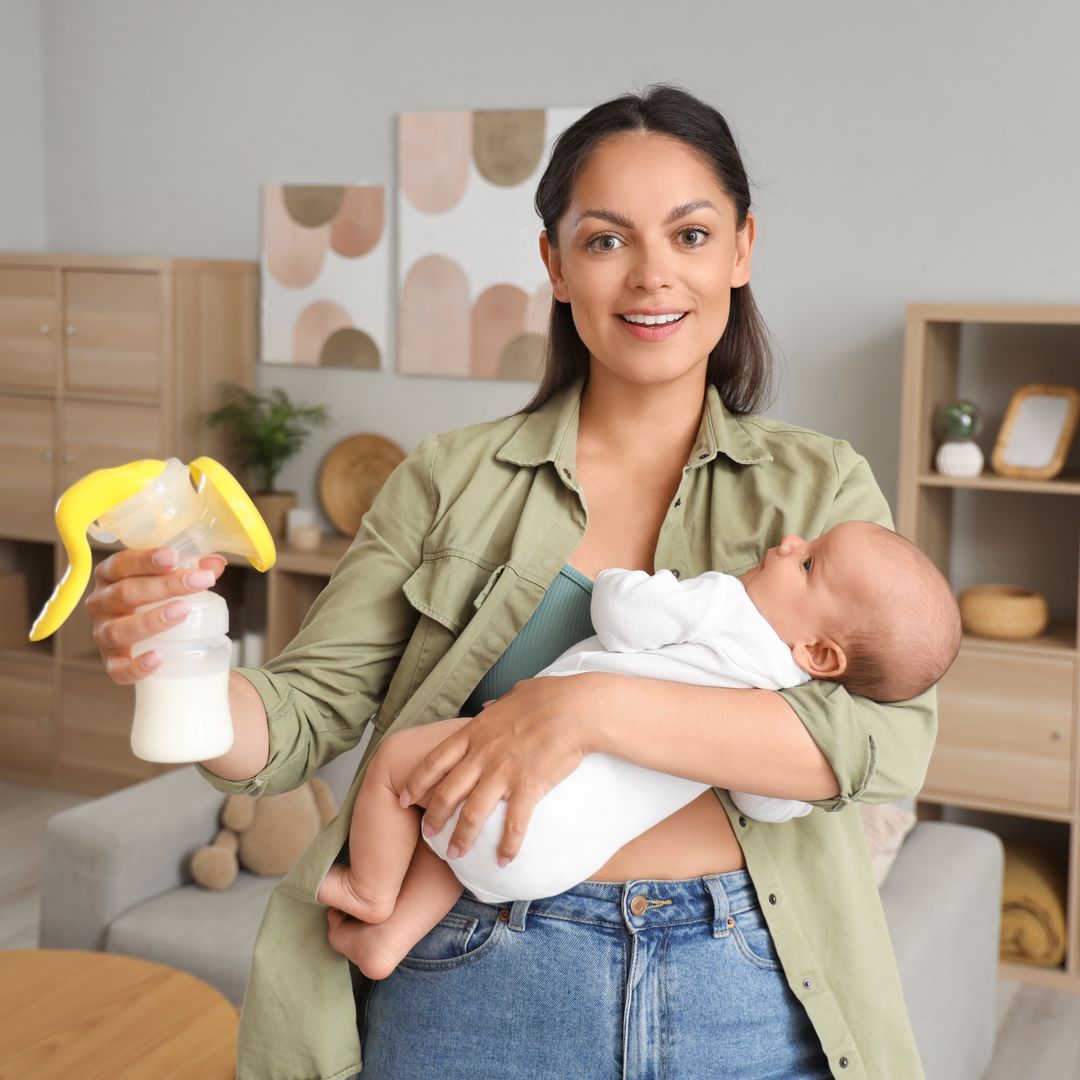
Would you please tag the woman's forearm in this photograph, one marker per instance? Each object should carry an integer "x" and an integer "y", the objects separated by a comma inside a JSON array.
[
  {"x": 743, "y": 740},
  {"x": 250, "y": 750}
]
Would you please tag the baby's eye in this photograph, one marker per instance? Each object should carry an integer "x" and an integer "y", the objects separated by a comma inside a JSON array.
[{"x": 808, "y": 563}]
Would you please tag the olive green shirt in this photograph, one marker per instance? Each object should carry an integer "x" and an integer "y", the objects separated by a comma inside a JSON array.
[{"x": 448, "y": 565}]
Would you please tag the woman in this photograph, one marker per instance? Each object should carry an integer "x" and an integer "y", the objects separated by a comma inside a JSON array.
[{"x": 711, "y": 944}]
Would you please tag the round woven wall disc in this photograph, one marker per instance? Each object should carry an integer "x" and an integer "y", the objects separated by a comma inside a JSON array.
[{"x": 352, "y": 474}]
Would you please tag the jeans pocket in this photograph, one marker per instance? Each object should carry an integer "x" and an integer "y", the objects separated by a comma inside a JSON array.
[
  {"x": 751, "y": 934},
  {"x": 464, "y": 933}
]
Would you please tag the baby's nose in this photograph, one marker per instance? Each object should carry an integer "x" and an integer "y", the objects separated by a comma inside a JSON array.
[{"x": 790, "y": 543}]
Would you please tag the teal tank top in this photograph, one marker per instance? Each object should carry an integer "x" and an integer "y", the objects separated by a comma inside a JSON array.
[{"x": 561, "y": 620}]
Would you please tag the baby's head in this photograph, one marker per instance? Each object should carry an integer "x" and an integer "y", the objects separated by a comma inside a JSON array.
[{"x": 862, "y": 606}]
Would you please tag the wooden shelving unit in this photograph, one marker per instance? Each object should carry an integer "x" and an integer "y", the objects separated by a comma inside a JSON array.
[
  {"x": 102, "y": 361},
  {"x": 1007, "y": 743}
]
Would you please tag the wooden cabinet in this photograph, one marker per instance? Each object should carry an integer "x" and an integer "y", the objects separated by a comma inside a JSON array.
[
  {"x": 28, "y": 327},
  {"x": 102, "y": 361},
  {"x": 1007, "y": 742}
]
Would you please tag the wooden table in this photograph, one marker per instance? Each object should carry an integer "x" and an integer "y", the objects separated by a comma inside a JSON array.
[{"x": 87, "y": 1015}]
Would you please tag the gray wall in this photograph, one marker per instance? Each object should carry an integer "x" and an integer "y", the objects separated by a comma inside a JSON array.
[
  {"x": 22, "y": 140},
  {"x": 904, "y": 151}
]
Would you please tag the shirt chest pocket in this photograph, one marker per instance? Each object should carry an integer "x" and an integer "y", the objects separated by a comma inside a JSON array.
[{"x": 449, "y": 588}]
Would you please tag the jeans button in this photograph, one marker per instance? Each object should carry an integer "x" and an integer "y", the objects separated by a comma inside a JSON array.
[{"x": 638, "y": 904}]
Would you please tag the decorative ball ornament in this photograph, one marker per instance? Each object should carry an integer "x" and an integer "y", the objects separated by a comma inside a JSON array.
[{"x": 958, "y": 423}]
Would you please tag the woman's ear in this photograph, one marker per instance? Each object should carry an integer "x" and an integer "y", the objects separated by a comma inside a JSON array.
[
  {"x": 553, "y": 261},
  {"x": 744, "y": 248},
  {"x": 821, "y": 658}
]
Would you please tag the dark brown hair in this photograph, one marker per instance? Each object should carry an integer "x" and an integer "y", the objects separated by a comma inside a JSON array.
[
  {"x": 740, "y": 364},
  {"x": 906, "y": 633}
]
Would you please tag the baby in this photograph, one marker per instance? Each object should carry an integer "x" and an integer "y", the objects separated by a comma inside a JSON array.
[{"x": 860, "y": 606}]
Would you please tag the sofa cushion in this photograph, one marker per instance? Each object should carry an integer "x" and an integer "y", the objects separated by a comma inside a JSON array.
[{"x": 210, "y": 934}]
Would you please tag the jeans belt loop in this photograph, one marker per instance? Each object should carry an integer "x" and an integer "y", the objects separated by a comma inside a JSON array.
[
  {"x": 721, "y": 908},
  {"x": 517, "y": 914}
]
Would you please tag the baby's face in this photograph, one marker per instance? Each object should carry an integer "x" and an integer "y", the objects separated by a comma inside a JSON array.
[{"x": 804, "y": 587}]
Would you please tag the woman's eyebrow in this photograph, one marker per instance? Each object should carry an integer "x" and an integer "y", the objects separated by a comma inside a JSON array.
[{"x": 624, "y": 222}]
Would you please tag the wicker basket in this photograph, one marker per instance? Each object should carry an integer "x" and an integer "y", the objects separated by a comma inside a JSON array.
[{"x": 1003, "y": 611}]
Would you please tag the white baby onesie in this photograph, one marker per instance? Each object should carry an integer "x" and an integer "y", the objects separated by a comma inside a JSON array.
[{"x": 704, "y": 630}]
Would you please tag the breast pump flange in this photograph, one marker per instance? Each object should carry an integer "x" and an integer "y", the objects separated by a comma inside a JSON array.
[{"x": 182, "y": 708}]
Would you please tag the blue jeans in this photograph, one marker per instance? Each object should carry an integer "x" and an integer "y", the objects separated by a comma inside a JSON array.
[{"x": 643, "y": 980}]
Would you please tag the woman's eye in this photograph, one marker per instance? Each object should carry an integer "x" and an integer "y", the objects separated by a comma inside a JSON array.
[
  {"x": 807, "y": 563},
  {"x": 694, "y": 230},
  {"x": 600, "y": 243}
]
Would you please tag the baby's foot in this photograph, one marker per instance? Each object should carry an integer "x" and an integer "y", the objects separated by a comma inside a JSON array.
[
  {"x": 375, "y": 950},
  {"x": 339, "y": 890}
]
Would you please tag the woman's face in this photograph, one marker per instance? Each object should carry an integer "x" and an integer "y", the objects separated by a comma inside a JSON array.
[{"x": 648, "y": 231}]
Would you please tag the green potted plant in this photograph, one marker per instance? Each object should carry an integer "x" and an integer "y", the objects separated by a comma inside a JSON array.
[{"x": 266, "y": 430}]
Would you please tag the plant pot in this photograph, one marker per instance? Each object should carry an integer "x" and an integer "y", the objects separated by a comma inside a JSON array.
[{"x": 274, "y": 507}]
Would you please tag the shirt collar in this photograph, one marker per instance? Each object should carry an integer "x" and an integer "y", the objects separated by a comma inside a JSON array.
[{"x": 550, "y": 434}]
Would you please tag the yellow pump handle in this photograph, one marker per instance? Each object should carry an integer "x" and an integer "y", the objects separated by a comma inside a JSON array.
[{"x": 84, "y": 502}]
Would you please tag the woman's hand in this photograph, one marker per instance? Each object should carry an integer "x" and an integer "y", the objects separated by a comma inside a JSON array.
[
  {"x": 518, "y": 748},
  {"x": 127, "y": 580}
]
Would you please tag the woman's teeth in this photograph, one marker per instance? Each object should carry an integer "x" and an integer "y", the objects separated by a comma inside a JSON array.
[{"x": 651, "y": 320}]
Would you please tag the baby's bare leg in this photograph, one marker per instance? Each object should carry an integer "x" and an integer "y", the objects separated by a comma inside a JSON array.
[
  {"x": 428, "y": 892},
  {"x": 383, "y": 835}
]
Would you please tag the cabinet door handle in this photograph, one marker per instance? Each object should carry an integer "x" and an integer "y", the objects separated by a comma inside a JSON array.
[
  {"x": 47, "y": 456},
  {"x": 68, "y": 459},
  {"x": 1058, "y": 736},
  {"x": 69, "y": 330},
  {"x": 44, "y": 328}
]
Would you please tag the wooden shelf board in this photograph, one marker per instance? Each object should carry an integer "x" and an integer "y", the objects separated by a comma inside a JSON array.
[
  {"x": 1067, "y": 483},
  {"x": 1017, "y": 314},
  {"x": 1055, "y": 978},
  {"x": 1058, "y": 641},
  {"x": 995, "y": 806},
  {"x": 320, "y": 562}
]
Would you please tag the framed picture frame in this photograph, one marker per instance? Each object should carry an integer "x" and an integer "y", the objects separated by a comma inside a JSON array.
[{"x": 1036, "y": 432}]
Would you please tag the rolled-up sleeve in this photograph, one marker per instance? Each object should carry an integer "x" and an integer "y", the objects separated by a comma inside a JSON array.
[
  {"x": 879, "y": 753},
  {"x": 329, "y": 680}
]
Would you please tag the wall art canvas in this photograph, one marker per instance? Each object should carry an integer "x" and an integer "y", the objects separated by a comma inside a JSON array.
[
  {"x": 474, "y": 297},
  {"x": 325, "y": 271}
]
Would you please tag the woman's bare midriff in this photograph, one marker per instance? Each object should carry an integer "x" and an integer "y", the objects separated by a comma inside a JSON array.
[{"x": 698, "y": 839}]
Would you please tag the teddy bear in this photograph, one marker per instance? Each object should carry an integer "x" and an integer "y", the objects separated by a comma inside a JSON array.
[{"x": 264, "y": 835}]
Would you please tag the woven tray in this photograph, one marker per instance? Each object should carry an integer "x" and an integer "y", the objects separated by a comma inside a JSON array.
[
  {"x": 352, "y": 474},
  {"x": 1003, "y": 611}
]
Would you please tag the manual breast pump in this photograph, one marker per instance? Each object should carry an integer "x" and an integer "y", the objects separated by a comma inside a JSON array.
[{"x": 182, "y": 708}]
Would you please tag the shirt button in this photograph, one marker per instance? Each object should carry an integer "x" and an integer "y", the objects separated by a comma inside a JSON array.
[
  {"x": 678, "y": 502},
  {"x": 742, "y": 821},
  {"x": 772, "y": 898},
  {"x": 808, "y": 984},
  {"x": 568, "y": 474},
  {"x": 638, "y": 905},
  {"x": 843, "y": 1063},
  {"x": 675, "y": 572}
]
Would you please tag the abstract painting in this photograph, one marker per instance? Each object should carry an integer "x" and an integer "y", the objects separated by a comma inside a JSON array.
[
  {"x": 325, "y": 271},
  {"x": 474, "y": 297}
]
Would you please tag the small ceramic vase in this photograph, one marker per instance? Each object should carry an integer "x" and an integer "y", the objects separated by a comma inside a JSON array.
[{"x": 959, "y": 458}]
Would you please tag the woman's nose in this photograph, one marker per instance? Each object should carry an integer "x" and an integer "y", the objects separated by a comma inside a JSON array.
[{"x": 650, "y": 271}]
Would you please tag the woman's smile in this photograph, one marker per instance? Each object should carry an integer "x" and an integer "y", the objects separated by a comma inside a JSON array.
[{"x": 652, "y": 326}]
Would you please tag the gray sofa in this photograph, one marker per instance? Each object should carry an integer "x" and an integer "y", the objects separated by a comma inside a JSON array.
[{"x": 115, "y": 879}]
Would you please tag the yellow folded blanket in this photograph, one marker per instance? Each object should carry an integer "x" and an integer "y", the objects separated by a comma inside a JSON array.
[{"x": 1033, "y": 906}]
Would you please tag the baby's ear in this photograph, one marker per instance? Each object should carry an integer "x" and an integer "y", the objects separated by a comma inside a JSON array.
[{"x": 821, "y": 658}]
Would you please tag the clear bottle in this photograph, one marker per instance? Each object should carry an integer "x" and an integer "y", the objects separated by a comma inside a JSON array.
[{"x": 182, "y": 708}]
